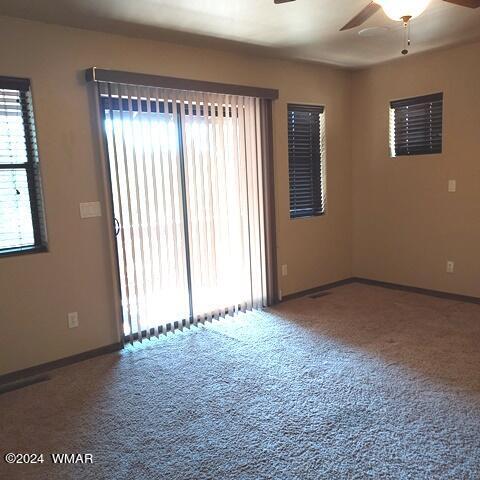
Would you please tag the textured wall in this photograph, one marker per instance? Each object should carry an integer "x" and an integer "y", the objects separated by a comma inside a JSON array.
[
  {"x": 406, "y": 224},
  {"x": 38, "y": 290}
]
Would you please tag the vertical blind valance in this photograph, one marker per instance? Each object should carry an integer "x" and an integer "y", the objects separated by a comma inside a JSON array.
[
  {"x": 416, "y": 125},
  {"x": 135, "y": 80}
]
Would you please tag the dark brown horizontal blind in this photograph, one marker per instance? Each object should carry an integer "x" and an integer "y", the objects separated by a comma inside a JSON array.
[
  {"x": 21, "y": 213},
  {"x": 305, "y": 160},
  {"x": 417, "y": 125}
]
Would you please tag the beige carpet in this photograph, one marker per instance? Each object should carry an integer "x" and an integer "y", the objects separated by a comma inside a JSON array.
[{"x": 362, "y": 383}]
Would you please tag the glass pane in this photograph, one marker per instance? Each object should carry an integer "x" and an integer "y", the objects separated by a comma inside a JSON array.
[
  {"x": 12, "y": 132},
  {"x": 144, "y": 166},
  {"x": 16, "y": 229}
]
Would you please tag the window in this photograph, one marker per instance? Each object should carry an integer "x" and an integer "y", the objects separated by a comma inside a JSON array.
[
  {"x": 21, "y": 215},
  {"x": 416, "y": 125},
  {"x": 306, "y": 125}
]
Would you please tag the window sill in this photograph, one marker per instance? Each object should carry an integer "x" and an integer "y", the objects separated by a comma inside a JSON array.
[
  {"x": 409, "y": 155},
  {"x": 306, "y": 217},
  {"x": 14, "y": 252}
]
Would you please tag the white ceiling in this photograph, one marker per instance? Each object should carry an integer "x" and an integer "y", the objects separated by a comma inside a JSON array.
[{"x": 304, "y": 29}]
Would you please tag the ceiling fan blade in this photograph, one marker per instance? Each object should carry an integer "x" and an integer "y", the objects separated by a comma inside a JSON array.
[
  {"x": 465, "y": 3},
  {"x": 282, "y": 1},
  {"x": 362, "y": 17}
]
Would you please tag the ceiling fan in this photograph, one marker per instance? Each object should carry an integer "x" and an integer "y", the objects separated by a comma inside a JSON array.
[{"x": 399, "y": 10}]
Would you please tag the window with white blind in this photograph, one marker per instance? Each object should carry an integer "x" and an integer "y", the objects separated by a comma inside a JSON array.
[
  {"x": 416, "y": 125},
  {"x": 306, "y": 156},
  {"x": 21, "y": 216}
]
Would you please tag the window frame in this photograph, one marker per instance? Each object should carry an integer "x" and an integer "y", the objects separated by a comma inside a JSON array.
[
  {"x": 31, "y": 168},
  {"x": 414, "y": 101},
  {"x": 322, "y": 160}
]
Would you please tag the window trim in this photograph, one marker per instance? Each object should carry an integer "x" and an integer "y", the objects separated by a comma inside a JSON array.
[
  {"x": 16, "y": 252},
  {"x": 323, "y": 164},
  {"x": 413, "y": 101},
  {"x": 31, "y": 167}
]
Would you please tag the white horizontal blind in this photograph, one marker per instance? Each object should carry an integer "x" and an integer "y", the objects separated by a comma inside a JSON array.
[
  {"x": 21, "y": 216},
  {"x": 187, "y": 193},
  {"x": 16, "y": 228},
  {"x": 12, "y": 137}
]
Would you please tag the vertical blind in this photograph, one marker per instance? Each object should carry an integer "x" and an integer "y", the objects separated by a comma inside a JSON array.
[
  {"x": 416, "y": 125},
  {"x": 305, "y": 157},
  {"x": 21, "y": 218},
  {"x": 187, "y": 189},
  {"x": 224, "y": 202}
]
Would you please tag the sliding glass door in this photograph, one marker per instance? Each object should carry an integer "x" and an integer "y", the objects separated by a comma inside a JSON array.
[
  {"x": 187, "y": 190},
  {"x": 145, "y": 169},
  {"x": 223, "y": 190}
]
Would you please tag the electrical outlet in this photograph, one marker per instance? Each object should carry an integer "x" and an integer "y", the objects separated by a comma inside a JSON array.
[
  {"x": 452, "y": 186},
  {"x": 284, "y": 270},
  {"x": 72, "y": 320},
  {"x": 450, "y": 266}
]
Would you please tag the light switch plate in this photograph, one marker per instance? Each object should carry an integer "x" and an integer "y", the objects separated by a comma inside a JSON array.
[
  {"x": 284, "y": 270},
  {"x": 90, "y": 210},
  {"x": 72, "y": 320},
  {"x": 452, "y": 186}
]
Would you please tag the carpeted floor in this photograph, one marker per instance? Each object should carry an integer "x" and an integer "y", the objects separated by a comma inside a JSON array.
[{"x": 361, "y": 383}]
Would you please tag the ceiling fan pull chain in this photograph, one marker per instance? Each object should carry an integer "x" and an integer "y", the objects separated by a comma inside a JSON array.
[{"x": 406, "y": 34}]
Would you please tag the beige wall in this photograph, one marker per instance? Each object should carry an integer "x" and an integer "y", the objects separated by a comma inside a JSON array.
[
  {"x": 400, "y": 224},
  {"x": 406, "y": 224},
  {"x": 38, "y": 290}
]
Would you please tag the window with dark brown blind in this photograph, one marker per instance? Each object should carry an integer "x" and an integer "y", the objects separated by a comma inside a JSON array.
[
  {"x": 305, "y": 160},
  {"x": 416, "y": 125},
  {"x": 22, "y": 226}
]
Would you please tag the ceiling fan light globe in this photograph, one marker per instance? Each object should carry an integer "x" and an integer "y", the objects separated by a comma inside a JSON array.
[{"x": 397, "y": 9}]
